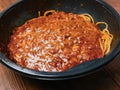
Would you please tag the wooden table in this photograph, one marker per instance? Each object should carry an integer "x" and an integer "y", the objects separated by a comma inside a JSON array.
[{"x": 107, "y": 78}]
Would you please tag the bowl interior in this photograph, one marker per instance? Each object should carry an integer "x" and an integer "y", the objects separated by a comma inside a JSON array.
[{"x": 19, "y": 13}]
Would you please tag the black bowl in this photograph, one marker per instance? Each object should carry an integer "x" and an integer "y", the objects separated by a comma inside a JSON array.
[{"x": 22, "y": 11}]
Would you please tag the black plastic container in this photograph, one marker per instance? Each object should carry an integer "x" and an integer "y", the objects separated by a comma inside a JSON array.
[{"x": 22, "y": 11}]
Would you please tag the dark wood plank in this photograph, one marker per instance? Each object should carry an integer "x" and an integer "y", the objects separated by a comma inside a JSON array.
[
  {"x": 114, "y": 70},
  {"x": 114, "y": 3},
  {"x": 107, "y": 78},
  {"x": 5, "y": 3}
]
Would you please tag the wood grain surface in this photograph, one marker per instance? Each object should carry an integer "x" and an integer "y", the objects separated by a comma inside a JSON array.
[{"x": 107, "y": 78}]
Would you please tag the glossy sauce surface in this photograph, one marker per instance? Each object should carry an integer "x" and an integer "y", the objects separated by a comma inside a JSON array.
[{"x": 55, "y": 43}]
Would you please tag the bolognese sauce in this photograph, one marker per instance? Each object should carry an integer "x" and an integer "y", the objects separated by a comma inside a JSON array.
[{"x": 55, "y": 43}]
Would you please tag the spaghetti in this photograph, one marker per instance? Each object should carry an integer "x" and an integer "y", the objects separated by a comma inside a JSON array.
[
  {"x": 58, "y": 41},
  {"x": 105, "y": 41}
]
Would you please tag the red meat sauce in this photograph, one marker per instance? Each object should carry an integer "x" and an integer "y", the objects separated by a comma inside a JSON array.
[{"x": 55, "y": 43}]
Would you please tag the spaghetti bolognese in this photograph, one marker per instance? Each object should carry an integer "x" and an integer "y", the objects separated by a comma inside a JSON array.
[{"x": 59, "y": 41}]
